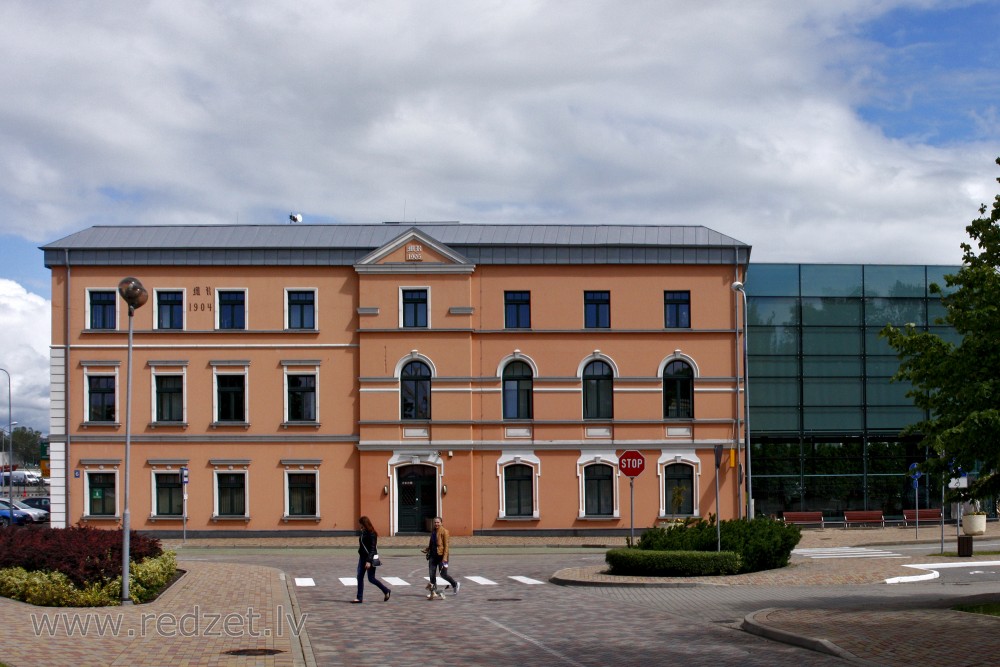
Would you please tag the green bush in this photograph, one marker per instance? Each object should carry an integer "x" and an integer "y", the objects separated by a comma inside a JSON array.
[
  {"x": 672, "y": 563},
  {"x": 763, "y": 544},
  {"x": 55, "y": 589}
]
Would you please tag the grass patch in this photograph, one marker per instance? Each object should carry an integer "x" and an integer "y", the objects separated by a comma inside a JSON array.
[
  {"x": 988, "y": 608},
  {"x": 954, "y": 554}
]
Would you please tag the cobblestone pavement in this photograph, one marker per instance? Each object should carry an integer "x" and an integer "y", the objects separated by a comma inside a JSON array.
[{"x": 242, "y": 595}]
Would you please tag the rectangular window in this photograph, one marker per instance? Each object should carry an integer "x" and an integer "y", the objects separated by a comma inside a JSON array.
[
  {"x": 302, "y": 494},
  {"x": 169, "y": 309},
  {"x": 231, "y": 398},
  {"x": 102, "y": 309},
  {"x": 101, "y": 398},
  {"x": 301, "y": 398},
  {"x": 301, "y": 309},
  {"x": 517, "y": 310},
  {"x": 169, "y": 494},
  {"x": 232, "y": 493},
  {"x": 677, "y": 310},
  {"x": 597, "y": 310},
  {"x": 169, "y": 398},
  {"x": 101, "y": 494},
  {"x": 232, "y": 309},
  {"x": 415, "y": 308}
]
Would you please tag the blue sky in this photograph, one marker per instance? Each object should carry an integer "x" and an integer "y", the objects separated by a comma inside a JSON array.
[{"x": 849, "y": 132}]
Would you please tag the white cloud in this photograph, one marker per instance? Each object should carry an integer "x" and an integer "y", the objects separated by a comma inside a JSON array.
[{"x": 25, "y": 355}]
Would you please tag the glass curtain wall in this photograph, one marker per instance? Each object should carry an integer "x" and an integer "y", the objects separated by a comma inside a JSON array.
[{"x": 825, "y": 418}]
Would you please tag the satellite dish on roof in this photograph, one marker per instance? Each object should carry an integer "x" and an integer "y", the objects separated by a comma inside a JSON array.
[{"x": 295, "y": 217}]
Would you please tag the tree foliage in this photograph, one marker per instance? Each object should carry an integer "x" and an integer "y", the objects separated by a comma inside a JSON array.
[{"x": 957, "y": 383}]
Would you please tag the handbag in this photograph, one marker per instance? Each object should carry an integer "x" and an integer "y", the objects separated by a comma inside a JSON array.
[{"x": 376, "y": 561}]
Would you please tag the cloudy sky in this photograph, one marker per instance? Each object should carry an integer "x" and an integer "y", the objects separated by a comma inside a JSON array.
[{"x": 817, "y": 131}]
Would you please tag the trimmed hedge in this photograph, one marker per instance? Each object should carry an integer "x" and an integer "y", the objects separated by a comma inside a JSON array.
[
  {"x": 672, "y": 563},
  {"x": 762, "y": 544}
]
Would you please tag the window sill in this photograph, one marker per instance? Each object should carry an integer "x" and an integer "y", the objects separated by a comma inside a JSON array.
[
  {"x": 518, "y": 518},
  {"x": 100, "y": 517},
  {"x": 312, "y": 424},
  {"x": 216, "y": 517},
  {"x": 602, "y": 517},
  {"x": 244, "y": 425},
  {"x": 168, "y": 424},
  {"x": 305, "y": 517},
  {"x": 303, "y": 331},
  {"x": 114, "y": 425},
  {"x": 153, "y": 518}
]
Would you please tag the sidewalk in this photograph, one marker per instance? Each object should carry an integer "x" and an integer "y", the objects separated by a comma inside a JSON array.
[{"x": 216, "y": 607}]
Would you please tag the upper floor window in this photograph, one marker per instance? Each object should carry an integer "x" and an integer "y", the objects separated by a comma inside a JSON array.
[
  {"x": 517, "y": 391},
  {"x": 517, "y": 310},
  {"x": 232, "y": 309},
  {"x": 301, "y": 309},
  {"x": 678, "y": 390},
  {"x": 102, "y": 309},
  {"x": 101, "y": 398},
  {"x": 169, "y": 398},
  {"x": 677, "y": 310},
  {"x": 301, "y": 398},
  {"x": 231, "y": 398},
  {"x": 415, "y": 391},
  {"x": 598, "y": 391},
  {"x": 597, "y": 310},
  {"x": 169, "y": 309},
  {"x": 414, "y": 308}
]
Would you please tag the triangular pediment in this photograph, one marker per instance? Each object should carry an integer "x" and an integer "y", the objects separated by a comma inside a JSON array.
[{"x": 414, "y": 251}]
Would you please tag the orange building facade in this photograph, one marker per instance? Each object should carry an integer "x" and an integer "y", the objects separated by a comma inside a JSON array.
[{"x": 288, "y": 379}]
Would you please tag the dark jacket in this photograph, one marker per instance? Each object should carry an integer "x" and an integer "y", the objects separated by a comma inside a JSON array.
[{"x": 367, "y": 545}]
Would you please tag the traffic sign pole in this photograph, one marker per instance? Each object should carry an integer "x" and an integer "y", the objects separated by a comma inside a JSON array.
[{"x": 631, "y": 463}]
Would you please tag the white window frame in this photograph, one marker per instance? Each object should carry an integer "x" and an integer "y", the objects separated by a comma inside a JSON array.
[
  {"x": 678, "y": 456},
  {"x": 287, "y": 515},
  {"x": 246, "y": 307},
  {"x": 160, "y": 369},
  {"x": 105, "y": 370},
  {"x": 311, "y": 368},
  {"x": 528, "y": 458},
  {"x": 426, "y": 289},
  {"x": 215, "y": 493},
  {"x": 315, "y": 290},
  {"x": 86, "y": 494},
  {"x": 590, "y": 458},
  {"x": 118, "y": 312},
  {"x": 156, "y": 307},
  {"x": 243, "y": 370},
  {"x": 152, "y": 494}
]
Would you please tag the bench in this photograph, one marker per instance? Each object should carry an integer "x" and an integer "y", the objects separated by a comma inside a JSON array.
[
  {"x": 928, "y": 514},
  {"x": 803, "y": 518},
  {"x": 863, "y": 516}
]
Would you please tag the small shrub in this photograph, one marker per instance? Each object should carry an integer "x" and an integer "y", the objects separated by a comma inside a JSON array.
[{"x": 672, "y": 563}]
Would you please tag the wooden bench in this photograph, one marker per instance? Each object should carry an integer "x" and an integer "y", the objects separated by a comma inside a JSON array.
[
  {"x": 863, "y": 516},
  {"x": 803, "y": 518},
  {"x": 929, "y": 514}
]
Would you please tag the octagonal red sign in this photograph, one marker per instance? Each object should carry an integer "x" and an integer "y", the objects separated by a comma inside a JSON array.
[{"x": 631, "y": 463}]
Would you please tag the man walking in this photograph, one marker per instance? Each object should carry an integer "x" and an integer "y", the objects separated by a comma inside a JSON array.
[{"x": 437, "y": 559}]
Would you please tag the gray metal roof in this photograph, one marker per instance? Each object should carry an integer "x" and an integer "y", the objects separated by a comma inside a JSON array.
[{"x": 344, "y": 244}]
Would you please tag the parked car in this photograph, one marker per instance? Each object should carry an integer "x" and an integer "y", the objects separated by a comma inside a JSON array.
[
  {"x": 20, "y": 518},
  {"x": 23, "y": 478},
  {"x": 38, "y": 502},
  {"x": 37, "y": 515}
]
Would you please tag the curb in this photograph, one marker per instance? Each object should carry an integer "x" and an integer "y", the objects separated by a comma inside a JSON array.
[
  {"x": 752, "y": 626},
  {"x": 302, "y": 653},
  {"x": 566, "y": 577}
]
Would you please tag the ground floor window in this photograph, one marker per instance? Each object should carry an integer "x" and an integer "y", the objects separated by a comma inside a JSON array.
[
  {"x": 169, "y": 494},
  {"x": 101, "y": 497},
  {"x": 599, "y": 490},
  {"x": 231, "y": 494},
  {"x": 679, "y": 489},
  {"x": 301, "y": 487},
  {"x": 518, "y": 481}
]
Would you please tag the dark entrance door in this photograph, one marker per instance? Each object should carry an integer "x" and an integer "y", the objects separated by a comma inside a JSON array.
[{"x": 417, "y": 485}]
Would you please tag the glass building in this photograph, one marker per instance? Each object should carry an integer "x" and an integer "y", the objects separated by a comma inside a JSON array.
[{"x": 824, "y": 416}]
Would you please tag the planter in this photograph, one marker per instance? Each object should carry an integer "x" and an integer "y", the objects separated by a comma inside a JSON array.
[{"x": 974, "y": 524}]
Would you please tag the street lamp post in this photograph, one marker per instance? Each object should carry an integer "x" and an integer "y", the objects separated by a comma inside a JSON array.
[
  {"x": 10, "y": 459},
  {"x": 738, "y": 287},
  {"x": 135, "y": 295}
]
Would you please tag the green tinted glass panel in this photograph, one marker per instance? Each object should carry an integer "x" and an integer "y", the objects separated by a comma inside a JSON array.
[
  {"x": 831, "y": 366},
  {"x": 880, "y": 391},
  {"x": 770, "y": 420},
  {"x": 783, "y": 366},
  {"x": 831, "y": 340},
  {"x": 773, "y": 280},
  {"x": 881, "y": 366},
  {"x": 833, "y": 458},
  {"x": 935, "y": 311},
  {"x": 834, "y": 494},
  {"x": 776, "y": 458},
  {"x": 773, "y": 340},
  {"x": 879, "y": 312},
  {"x": 831, "y": 391},
  {"x": 946, "y": 334},
  {"x": 875, "y": 345},
  {"x": 895, "y": 281},
  {"x": 936, "y": 274},
  {"x": 774, "y": 391},
  {"x": 833, "y": 310},
  {"x": 892, "y": 418},
  {"x": 831, "y": 280},
  {"x": 772, "y": 311},
  {"x": 831, "y": 418}
]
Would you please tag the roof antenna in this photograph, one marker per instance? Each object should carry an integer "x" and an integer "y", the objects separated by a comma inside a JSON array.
[{"x": 295, "y": 218}]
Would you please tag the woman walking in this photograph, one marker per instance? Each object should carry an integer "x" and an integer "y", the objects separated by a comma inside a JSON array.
[{"x": 368, "y": 547}]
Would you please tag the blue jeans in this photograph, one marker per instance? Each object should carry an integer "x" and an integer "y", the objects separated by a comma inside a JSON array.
[{"x": 371, "y": 577}]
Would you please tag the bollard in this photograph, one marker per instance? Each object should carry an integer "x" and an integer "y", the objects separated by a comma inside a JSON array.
[{"x": 965, "y": 545}]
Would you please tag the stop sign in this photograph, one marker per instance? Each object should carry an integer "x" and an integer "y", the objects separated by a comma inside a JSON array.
[{"x": 631, "y": 463}]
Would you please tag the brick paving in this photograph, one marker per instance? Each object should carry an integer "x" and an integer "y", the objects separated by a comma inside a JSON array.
[{"x": 218, "y": 607}]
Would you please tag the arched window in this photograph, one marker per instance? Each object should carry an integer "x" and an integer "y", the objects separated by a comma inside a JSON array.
[
  {"x": 679, "y": 488},
  {"x": 598, "y": 388},
  {"x": 517, "y": 384},
  {"x": 599, "y": 490},
  {"x": 415, "y": 391},
  {"x": 678, "y": 391},
  {"x": 518, "y": 490}
]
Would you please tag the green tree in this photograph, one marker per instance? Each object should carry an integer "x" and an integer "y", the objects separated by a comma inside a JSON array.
[
  {"x": 958, "y": 383},
  {"x": 27, "y": 447}
]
